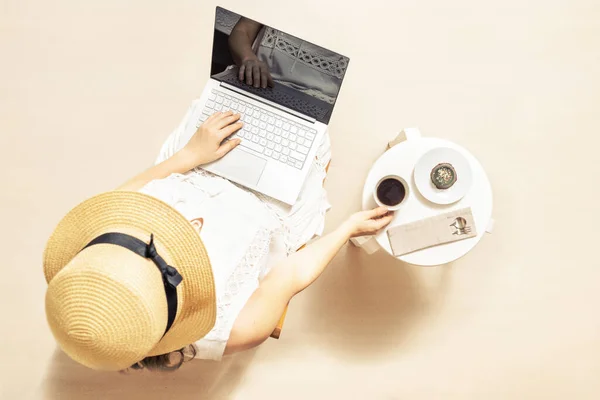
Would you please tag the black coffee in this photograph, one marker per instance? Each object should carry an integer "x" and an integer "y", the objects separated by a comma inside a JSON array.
[{"x": 391, "y": 192}]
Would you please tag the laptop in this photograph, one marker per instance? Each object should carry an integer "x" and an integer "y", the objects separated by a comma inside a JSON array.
[{"x": 285, "y": 89}]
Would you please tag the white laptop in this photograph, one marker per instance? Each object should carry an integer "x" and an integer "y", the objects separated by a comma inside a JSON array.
[{"x": 284, "y": 122}]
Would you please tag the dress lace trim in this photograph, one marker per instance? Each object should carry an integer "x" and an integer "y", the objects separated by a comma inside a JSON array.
[
  {"x": 230, "y": 303},
  {"x": 334, "y": 66}
]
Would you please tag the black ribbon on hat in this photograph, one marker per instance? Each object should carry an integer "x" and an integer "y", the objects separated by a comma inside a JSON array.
[{"x": 170, "y": 276}]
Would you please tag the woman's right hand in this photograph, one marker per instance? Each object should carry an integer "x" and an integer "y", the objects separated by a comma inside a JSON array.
[
  {"x": 365, "y": 223},
  {"x": 207, "y": 144},
  {"x": 255, "y": 73}
]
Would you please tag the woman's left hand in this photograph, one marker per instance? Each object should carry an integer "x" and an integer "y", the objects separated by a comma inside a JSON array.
[{"x": 207, "y": 143}]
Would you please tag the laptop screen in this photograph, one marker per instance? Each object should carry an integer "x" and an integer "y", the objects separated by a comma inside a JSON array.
[{"x": 276, "y": 66}]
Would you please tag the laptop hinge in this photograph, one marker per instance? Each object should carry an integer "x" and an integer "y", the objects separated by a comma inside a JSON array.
[{"x": 270, "y": 103}]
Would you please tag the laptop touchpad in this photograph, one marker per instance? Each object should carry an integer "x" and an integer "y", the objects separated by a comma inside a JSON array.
[{"x": 241, "y": 166}]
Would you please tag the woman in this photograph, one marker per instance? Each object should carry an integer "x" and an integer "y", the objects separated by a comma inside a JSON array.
[
  {"x": 264, "y": 55},
  {"x": 114, "y": 259}
]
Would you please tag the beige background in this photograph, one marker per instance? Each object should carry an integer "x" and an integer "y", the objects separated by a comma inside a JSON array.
[{"x": 89, "y": 90}]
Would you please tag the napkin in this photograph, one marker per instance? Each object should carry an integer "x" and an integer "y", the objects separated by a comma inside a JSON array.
[{"x": 443, "y": 228}]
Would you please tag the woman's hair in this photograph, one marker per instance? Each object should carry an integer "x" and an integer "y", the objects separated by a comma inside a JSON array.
[{"x": 167, "y": 362}]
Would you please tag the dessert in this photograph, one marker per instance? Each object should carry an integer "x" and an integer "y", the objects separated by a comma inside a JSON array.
[{"x": 443, "y": 176}]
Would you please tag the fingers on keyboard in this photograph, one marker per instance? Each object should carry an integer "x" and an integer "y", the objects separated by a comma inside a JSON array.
[{"x": 260, "y": 130}]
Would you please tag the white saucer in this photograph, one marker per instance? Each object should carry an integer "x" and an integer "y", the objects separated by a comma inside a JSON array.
[{"x": 422, "y": 175}]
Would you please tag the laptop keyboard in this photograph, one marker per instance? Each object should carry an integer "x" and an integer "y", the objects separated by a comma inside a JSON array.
[{"x": 266, "y": 133}]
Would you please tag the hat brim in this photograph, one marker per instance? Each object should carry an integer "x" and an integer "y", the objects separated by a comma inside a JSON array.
[{"x": 177, "y": 241}]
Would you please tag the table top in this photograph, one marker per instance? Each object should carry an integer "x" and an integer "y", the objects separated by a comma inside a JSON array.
[{"x": 400, "y": 160}]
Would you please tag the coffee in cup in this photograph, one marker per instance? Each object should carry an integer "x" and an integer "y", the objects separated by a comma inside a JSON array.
[{"x": 391, "y": 191}]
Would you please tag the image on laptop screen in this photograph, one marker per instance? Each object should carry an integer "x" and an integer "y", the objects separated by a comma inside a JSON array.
[{"x": 276, "y": 66}]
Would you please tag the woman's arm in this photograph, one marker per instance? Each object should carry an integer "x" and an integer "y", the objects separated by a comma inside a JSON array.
[
  {"x": 252, "y": 70},
  {"x": 263, "y": 310},
  {"x": 204, "y": 147},
  {"x": 241, "y": 38}
]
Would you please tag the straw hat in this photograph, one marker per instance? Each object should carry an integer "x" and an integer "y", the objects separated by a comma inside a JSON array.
[{"x": 121, "y": 267}]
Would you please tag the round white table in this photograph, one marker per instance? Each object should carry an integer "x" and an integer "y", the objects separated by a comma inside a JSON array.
[{"x": 400, "y": 160}]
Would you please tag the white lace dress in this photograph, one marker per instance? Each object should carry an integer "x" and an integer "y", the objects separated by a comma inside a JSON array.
[
  {"x": 244, "y": 232},
  {"x": 301, "y": 65}
]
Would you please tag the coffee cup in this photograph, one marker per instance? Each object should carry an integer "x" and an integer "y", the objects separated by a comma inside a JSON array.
[{"x": 391, "y": 191}]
